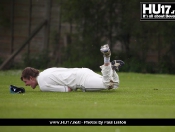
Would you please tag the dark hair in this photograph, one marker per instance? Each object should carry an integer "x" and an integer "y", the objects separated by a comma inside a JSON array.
[{"x": 29, "y": 71}]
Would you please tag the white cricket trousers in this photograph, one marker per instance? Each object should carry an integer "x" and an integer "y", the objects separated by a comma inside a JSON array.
[{"x": 91, "y": 81}]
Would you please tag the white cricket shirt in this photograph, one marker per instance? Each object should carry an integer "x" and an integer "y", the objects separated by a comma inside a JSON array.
[{"x": 59, "y": 79}]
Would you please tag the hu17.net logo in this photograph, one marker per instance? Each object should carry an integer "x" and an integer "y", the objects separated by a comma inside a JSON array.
[{"x": 157, "y": 11}]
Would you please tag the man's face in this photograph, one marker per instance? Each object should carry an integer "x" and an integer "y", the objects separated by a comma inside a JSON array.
[{"x": 30, "y": 82}]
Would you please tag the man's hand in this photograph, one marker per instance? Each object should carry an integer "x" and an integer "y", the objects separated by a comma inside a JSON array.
[{"x": 69, "y": 89}]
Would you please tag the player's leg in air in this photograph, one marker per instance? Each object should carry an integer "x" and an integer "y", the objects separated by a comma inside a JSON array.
[{"x": 109, "y": 78}]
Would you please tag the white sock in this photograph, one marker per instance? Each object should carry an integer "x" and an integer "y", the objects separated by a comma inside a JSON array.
[{"x": 106, "y": 59}]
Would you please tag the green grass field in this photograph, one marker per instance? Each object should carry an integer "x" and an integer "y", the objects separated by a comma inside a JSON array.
[{"x": 139, "y": 96}]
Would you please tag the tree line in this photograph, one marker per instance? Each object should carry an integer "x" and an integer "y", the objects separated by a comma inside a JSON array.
[
  {"x": 97, "y": 22},
  {"x": 107, "y": 21}
]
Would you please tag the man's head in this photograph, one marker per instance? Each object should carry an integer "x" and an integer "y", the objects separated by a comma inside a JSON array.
[{"x": 29, "y": 75}]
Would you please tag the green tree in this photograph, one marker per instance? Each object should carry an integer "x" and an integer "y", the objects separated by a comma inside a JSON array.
[
  {"x": 105, "y": 21},
  {"x": 97, "y": 22}
]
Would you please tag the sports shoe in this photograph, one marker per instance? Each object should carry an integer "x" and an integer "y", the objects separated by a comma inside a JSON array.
[
  {"x": 116, "y": 64},
  {"x": 105, "y": 50}
]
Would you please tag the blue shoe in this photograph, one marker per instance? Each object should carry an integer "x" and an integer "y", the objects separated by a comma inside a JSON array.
[
  {"x": 116, "y": 64},
  {"x": 105, "y": 50}
]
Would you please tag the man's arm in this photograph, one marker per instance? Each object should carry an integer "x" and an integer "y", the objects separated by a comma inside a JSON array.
[{"x": 55, "y": 88}]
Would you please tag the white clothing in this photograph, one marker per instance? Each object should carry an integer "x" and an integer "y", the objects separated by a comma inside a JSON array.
[{"x": 59, "y": 79}]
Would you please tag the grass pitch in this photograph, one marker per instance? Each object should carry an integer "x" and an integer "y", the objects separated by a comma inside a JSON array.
[{"x": 138, "y": 96}]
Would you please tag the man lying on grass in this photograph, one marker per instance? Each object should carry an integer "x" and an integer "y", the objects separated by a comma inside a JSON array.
[{"x": 68, "y": 79}]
